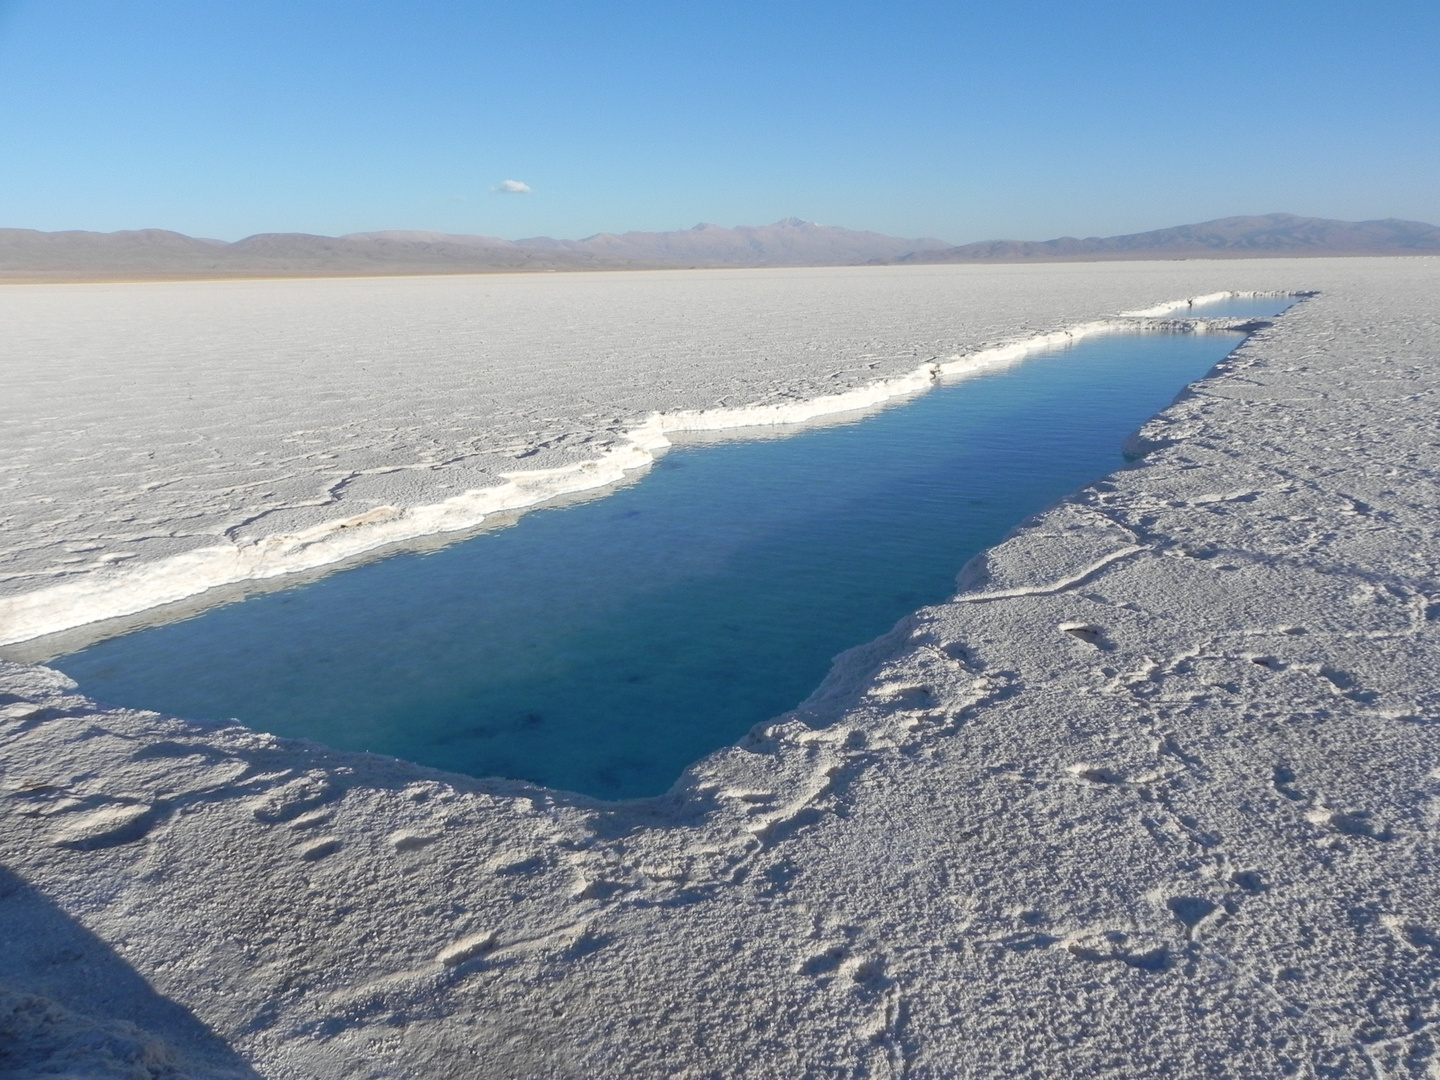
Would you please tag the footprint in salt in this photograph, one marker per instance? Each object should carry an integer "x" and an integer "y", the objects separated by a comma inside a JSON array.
[
  {"x": 405, "y": 841},
  {"x": 320, "y": 849},
  {"x": 107, "y": 827},
  {"x": 289, "y": 801}
]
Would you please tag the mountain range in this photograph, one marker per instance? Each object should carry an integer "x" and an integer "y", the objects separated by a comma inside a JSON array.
[
  {"x": 157, "y": 252},
  {"x": 26, "y": 254},
  {"x": 1263, "y": 235}
]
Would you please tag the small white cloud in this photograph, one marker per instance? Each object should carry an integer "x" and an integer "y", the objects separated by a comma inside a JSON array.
[{"x": 511, "y": 187}]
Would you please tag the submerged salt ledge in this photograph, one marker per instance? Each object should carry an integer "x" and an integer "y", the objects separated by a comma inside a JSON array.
[{"x": 114, "y": 593}]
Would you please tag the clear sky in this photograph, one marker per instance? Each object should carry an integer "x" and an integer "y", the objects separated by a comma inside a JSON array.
[{"x": 962, "y": 120}]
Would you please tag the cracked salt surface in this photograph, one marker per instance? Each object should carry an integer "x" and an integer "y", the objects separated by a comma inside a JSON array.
[{"x": 1198, "y": 838}]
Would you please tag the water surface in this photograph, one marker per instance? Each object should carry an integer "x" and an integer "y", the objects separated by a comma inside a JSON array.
[{"x": 603, "y": 647}]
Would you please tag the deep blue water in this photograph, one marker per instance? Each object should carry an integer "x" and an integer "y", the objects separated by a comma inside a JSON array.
[{"x": 604, "y": 646}]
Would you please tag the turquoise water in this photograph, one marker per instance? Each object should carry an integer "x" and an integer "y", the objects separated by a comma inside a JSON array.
[{"x": 603, "y": 647}]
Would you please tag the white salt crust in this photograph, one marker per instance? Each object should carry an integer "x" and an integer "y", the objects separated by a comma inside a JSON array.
[{"x": 1154, "y": 795}]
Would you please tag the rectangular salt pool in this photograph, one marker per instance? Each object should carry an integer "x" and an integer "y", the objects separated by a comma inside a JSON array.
[{"x": 604, "y": 646}]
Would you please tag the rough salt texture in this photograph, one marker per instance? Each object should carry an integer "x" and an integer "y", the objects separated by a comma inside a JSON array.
[{"x": 1155, "y": 795}]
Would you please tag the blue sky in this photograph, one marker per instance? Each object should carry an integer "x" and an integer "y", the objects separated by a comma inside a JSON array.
[{"x": 960, "y": 120}]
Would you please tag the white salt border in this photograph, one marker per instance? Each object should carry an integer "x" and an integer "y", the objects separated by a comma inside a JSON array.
[{"x": 134, "y": 589}]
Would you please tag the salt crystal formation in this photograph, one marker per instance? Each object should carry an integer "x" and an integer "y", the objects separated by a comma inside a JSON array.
[{"x": 1155, "y": 794}]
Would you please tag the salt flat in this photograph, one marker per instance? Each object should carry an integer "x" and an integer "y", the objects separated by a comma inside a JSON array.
[{"x": 1154, "y": 795}]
